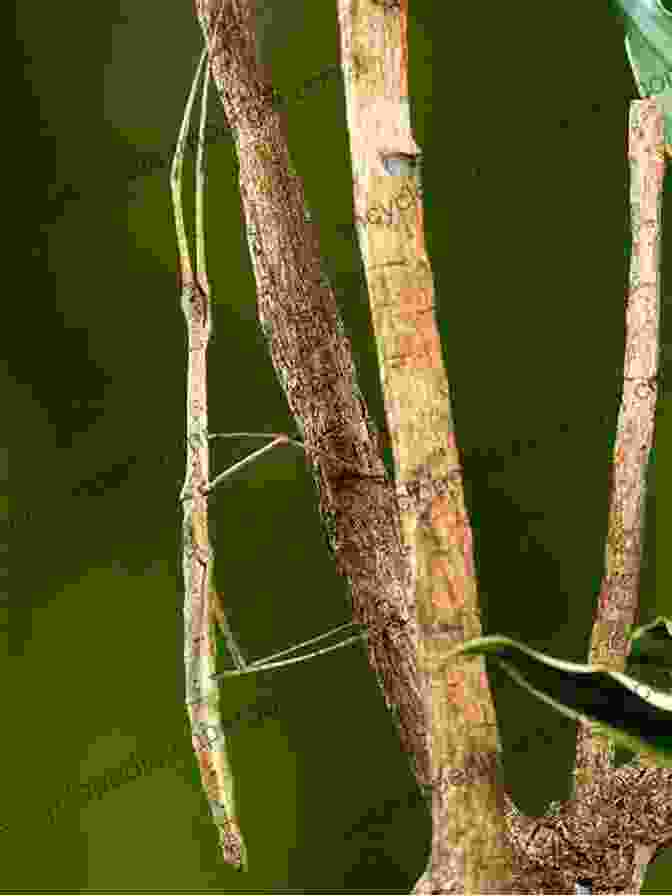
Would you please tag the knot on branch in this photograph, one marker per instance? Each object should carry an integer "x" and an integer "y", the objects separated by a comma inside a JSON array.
[{"x": 608, "y": 837}]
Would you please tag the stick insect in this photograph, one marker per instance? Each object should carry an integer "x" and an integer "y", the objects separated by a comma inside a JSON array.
[{"x": 203, "y": 611}]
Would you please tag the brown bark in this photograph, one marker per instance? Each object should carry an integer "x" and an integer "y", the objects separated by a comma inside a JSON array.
[
  {"x": 619, "y": 595},
  {"x": 618, "y": 818},
  {"x": 608, "y": 832},
  {"x": 312, "y": 357}
]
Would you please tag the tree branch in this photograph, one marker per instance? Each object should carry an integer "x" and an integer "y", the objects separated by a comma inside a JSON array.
[
  {"x": 619, "y": 594},
  {"x": 312, "y": 358},
  {"x": 617, "y": 819},
  {"x": 470, "y": 852}
]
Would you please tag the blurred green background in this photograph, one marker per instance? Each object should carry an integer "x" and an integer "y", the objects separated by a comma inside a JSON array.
[{"x": 523, "y": 125}]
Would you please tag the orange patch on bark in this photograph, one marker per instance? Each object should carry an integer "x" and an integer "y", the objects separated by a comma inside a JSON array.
[
  {"x": 445, "y": 593},
  {"x": 471, "y": 709},
  {"x": 473, "y": 712},
  {"x": 468, "y": 549},
  {"x": 452, "y": 568},
  {"x": 420, "y": 345}
]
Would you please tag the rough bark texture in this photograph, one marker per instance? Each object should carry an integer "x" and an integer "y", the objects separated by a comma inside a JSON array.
[
  {"x": 619, "y": 595},
  {"x": 606, "y": 836},
  {"x": 470, "y": 851},
  {"x": 312, "y": 358},
  {"x": 617, "y": 819}
]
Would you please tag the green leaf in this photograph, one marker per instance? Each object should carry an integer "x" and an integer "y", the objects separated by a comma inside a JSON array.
[
  {"x": 648, "y": 44},
  {"x": 652, "y": 643},
  {"x": 650, "y": 657},
  {"x": 636, "y": 715}
]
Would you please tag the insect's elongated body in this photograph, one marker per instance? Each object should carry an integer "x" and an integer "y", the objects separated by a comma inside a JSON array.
[
  {"x": 202, "y": 609},
  {"x": 202, "y": 697},
  {"x": 202, "y": 694}
]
